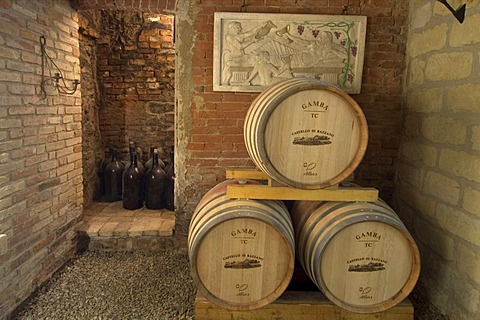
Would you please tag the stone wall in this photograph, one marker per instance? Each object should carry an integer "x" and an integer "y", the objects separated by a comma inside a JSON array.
[
  {"x": 438, "y": 177},
  {"x": 209, "y": 134},
  {"x": 92, "y": 145},
  {"x": 40, "y": 147}
]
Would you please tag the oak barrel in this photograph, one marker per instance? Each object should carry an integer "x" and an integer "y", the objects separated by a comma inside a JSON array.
[
  {"x": 359, "y": 254},
  {"x": 241, "y": 251},
  {"x": 305, "y": 133}
]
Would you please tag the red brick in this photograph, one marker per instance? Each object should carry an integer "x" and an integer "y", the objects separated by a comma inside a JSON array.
[
  {"x": 196, "y": 146},
  {"x": 35, "y": 159},
  {"x": 201, "y": 130},
  {"x": 208, "y": 11},
  {"x": 234, "y": 138},
  {"x": 233, "y": 162},
  {"x": 5, "y": 4},
  {"x": 24, "y": 194},
  {"x": 21, "y": 173},
  {"x": 221, "y": 122},
  {"x": 233, "y": 154},
  {"x": 34, "y": 121}
]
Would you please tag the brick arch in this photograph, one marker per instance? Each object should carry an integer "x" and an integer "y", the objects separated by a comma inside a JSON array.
[{"x": 167, "y": 6}]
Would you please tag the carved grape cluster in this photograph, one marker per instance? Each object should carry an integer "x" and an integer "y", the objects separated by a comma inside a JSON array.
[{"x": 300, "y": 29}]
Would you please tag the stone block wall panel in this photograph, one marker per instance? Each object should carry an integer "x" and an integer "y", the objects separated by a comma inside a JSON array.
[
  {"x": 438, "y": 176},
  {"x": 41, "y": 186}
]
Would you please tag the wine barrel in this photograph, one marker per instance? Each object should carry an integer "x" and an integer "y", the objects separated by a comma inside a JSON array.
[
  {"x": 359, "y": 254},
  {"x": 242, "y": 252},
  {"x": 305, "y": 133}
]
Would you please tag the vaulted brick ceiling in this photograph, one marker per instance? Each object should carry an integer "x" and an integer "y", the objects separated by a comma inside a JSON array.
[{"x": 143, "y": 5}]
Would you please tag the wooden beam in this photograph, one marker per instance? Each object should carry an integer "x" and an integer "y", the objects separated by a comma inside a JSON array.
[
  {"x": 287, "y": 193},
  {"x": 245, "y": 173},
  {"x": 255, "y": 174}
]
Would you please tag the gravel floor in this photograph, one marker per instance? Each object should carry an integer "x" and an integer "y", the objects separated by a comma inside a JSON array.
[
  {"x": 127, "y": 286},
  {"x": 103, "y": 285},
  {"x": 422, "y": 308}
]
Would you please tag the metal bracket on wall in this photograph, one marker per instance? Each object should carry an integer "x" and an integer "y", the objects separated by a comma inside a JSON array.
[
  {"x": 57, "y": 80},
  {"x": 458, "y": 13}
]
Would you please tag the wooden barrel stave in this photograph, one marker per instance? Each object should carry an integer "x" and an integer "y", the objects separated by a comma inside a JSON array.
[
  {"x": 256, "y": 124},
  {"x": 221, "y": 209},
  {"x": 254, "y": 116}
]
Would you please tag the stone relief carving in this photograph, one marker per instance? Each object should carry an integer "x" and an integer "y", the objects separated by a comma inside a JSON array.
[{"x": 253, "y": 51}]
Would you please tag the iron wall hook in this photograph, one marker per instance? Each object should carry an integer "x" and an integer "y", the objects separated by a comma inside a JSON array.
[{"x": 458, "y": 13}]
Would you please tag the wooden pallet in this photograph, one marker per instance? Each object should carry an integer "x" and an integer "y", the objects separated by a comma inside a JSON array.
[
  {"x": 298, "y": 305},
  {"x": 273, "y": 191}
]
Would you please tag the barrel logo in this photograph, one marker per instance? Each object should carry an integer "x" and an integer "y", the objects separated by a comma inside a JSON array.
[
  {"x": 312, "y": 137},
  {"x": 241, "y": 290},
  {"x": 368, "y": 238},
  {"x": 242, "y": 261},
  {"x": 250, "y": 233},
  {"x": 244, "y": 235},
  {"x": 366, "y": 264},
  {"x": 243, "y": 264},
  {"x": 365, "y": 293},
  {"x": 309, "y": 168},
  {"x": 315, "y": 106},
  {"x": 369, "y": 267}
]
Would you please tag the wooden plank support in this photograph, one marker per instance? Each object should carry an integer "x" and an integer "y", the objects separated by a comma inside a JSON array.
[
  {"x": 245, "y": 173},
  {"x": 256, "y": 174},
  {"x": 298, "y": 305},
  {"x": 288, "y": 193}
]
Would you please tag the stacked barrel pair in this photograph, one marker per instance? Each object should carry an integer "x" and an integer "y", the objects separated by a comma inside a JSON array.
[{"x": 305, "y": 134}]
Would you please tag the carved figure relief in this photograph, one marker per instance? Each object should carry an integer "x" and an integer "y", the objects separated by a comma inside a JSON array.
[{"x": 253, "y": 51}]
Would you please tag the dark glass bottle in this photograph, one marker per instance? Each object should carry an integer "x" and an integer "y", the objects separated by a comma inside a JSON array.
[
  {"x": 113, "y": 179},
  {"x": 154, "y": 185},
  {"x": 169, "y": 184},
  {"x": 149, "y": 162},
  {"x": 101, "y": 170},
  {"x": 132, "y": 185},
  {"x": 133, "y": 149}
]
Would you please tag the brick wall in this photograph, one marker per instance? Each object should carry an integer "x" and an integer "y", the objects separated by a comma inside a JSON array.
[
  {"x": 40, "y": 147},
  {"x": 210, "y": 124},
  {"x": 438, "y": 175},
  {"x": 128, "y": 64},
  {"x": 136, "y": 63}
]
